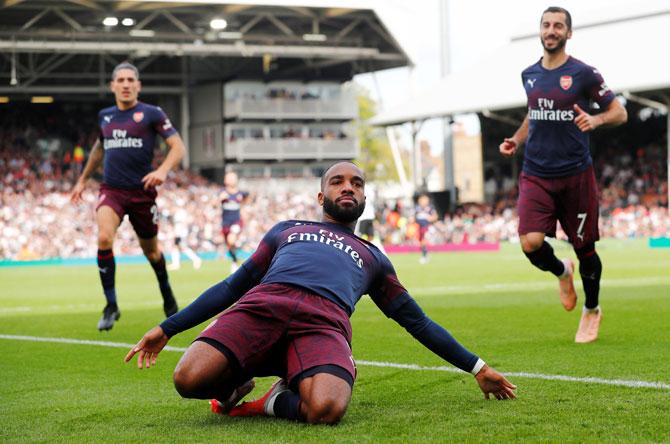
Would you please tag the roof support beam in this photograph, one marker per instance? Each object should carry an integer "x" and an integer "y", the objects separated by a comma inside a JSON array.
[
  {"x": 182, "y": 49},
  {"x": 279, "y": 24},
  {"x": 67, "y": 19},
  {"x": 178, "y": 23},
  {"x": 146, "y": 20},
  {"x": 56, "y": 63},
  {"x": 34, "y": 20},
  {"x": 250, "y": 24},
  {"x": 347, "y": 29},
  {"x": 60, "y": 89},
  {"x": 661, "y": 107}
]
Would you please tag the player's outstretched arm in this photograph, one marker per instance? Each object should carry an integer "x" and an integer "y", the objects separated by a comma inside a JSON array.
[
  {"x": 176, "y": 151},
  {"x": 510, "y": 145},
  {"x": 442, "y": 343},
  {"x": 493, "y": 383},
  {"x": 148, "y": 348},
  {"x": 94, "y": 160},
  {"x": 392, "y": 298}
]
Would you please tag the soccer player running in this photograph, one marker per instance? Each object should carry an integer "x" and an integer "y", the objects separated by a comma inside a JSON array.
[
  {"x": 425, "y": 215},
  {"x": 126, "y": 148},
  {"x": 292, "y": 302},
  {"x": 557, "y": 181},
  {"x": 231, "y": 219}
]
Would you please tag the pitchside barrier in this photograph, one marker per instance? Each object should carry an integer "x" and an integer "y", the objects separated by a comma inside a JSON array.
[
  {"x": 212, "y": 255},
  {"x": 659, "y": 242}
]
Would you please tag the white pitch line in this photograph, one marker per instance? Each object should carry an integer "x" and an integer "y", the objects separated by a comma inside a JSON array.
[
  {"x": 414, "y": 367},
  {"x": 463, "y": 289},
  {"x": 534, "y": 286}
]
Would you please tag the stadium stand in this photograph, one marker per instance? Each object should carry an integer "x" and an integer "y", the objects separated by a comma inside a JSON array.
[{"x": 37, "y": 221}]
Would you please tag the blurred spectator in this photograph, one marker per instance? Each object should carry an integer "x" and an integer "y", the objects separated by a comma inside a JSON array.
[{"x": 38, "y": 221}]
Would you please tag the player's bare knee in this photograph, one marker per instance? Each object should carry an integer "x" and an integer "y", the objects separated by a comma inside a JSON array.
[
  {"x": 530, "y": 244},
  {"x": 105, "y": 241},
  {"x": 153, "y": 255},
  {"x": 326, "y": 411},
  {"x": 185, "y": 382},
  {"x": 186, "y": 378}
]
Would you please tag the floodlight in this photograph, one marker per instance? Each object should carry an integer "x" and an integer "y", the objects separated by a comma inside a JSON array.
[
  {"x": 218, "y": 23},
  {"x": 110, "y": 21}
]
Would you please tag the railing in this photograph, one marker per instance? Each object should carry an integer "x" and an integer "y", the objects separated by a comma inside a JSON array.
[
  {"x": 344, "y": 108},
  {"x": 287, "y": 149}
]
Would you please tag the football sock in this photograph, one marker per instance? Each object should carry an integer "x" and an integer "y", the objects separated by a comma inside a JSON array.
[
  {"x": 162, "y": 276},
  {"x": 287, "y": 406},
  {"x": 176, "y": 258},
  {"x": 424, "y": 251},
  {"x": 590, "y": 269},
  {"x": 107, "y": 270},
  {"x": 232, "y": 252},
  {"x": 545, "y": 259}
]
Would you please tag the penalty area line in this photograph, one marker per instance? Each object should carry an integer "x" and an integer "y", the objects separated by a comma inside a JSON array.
[{"x": 414, "y": 367}]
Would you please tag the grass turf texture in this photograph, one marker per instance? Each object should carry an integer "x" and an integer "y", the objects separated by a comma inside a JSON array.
[{"x": 494, "y": 303}]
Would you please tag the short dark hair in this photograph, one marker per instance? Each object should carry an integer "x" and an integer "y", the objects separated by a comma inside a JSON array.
[
  {"x": 568, "y": 17},
  {"x": 323, "y": 176},
  {"x": 125, "y": 65}
]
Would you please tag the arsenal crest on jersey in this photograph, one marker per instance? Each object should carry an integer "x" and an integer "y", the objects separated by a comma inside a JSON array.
[
  {"x": 138, "y": 116},
  {"x": 566, "y": 82}
]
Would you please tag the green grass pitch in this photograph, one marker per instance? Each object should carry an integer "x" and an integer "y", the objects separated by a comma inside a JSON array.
[{"x": 496, "y": 304}]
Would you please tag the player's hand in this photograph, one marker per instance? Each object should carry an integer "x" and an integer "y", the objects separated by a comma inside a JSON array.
[
  {"x": 585, "y": 121},
  {"x": 75, "y": 196},
  {"x": 508, "y": 147},
  {"x": 154, "y": 179},
  {"x": 492, "y": 382},
  {"x": 148, "y": 348}
]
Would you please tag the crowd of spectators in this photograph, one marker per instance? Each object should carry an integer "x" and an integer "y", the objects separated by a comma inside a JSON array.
[{"x": 38, "y": 221}]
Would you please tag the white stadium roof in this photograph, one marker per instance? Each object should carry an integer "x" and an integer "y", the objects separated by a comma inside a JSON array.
[{"x": 629, "y": 51}]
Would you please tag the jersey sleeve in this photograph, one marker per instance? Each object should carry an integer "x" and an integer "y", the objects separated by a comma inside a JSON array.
[
  {"x": 222, "y": 295},
  {"x": 259, "y": 262},
  {"x": 392, "y": 298},
  {"x": 597, "y": 89},
  {"x": 433, "y": 336},
  {"x": 386, "y": 291},
  {"x": 162, "y": 124},
  {"x": 100, "y": 138}
]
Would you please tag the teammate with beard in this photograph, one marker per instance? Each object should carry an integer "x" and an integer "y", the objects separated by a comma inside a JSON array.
[
  {"x": 558, "y": 181},
  {"x": 292, "y": 302}
]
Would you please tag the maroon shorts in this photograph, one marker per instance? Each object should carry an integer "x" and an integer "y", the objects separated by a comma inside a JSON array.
[
  {"x": 234, "y": 228},
  {"x": 280, "y": 330},
  {"x": 571, "y": 200},
  {"x": 139, "y": 205}
]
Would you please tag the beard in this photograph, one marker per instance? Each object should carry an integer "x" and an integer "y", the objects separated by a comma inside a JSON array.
[
  {"x": 345, "y": 215},
  {"x": 560, "y": 44}
]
